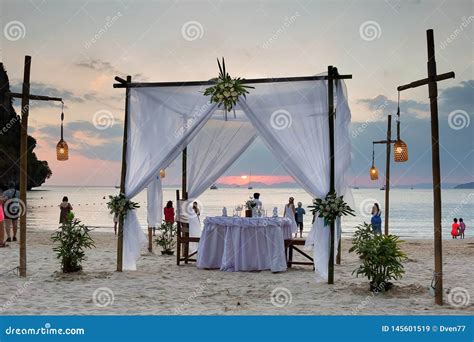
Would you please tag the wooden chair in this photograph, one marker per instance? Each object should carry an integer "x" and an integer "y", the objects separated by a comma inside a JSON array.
[{"x": 290, "y": 246}]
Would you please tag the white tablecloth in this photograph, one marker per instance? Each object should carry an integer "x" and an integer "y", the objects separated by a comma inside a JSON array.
[{"x": 244, "y": 244}]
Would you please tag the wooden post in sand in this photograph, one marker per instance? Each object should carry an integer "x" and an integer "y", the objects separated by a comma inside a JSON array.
[
  {"x": 123, "y": 174},
  {"x": 432, "y": 82},
  {"x": 332, "y": 187},
  {"x": 25, "y": 107}
]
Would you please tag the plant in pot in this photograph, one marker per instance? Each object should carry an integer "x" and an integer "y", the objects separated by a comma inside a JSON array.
[
  {"x": 381, "y": 257},
  {"x": 249, "y": 205},
  {"x": 72, "y": 238},
  {"x": 166, "y": 237}
]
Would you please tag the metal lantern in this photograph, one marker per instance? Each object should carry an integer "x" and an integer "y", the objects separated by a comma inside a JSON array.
[
  {"x": 400, "y": 151},
  {"x": 374, "y": 173},
  {"x": 62, "y": 150},
  {"x": 162, "y": 173}
]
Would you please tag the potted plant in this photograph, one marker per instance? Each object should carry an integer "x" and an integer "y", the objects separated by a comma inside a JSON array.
[
  {"x": 381, "y": 257},
  {"x": 249, "y": 205},
  {"x": 72, "y": 239},
  {"x": 166, "y": 238}
]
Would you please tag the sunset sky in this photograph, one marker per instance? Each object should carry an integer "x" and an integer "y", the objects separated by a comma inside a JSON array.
[{"x": 77, "y": 48}]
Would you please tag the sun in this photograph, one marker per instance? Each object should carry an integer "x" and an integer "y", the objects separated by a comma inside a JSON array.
[{"x": 243, "y": 176}]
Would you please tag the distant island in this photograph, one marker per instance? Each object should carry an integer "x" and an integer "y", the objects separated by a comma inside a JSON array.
[{"x": 465, "y": 186}]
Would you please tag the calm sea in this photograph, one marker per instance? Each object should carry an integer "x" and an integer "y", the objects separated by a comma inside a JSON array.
[{"x": 411, "y": 211}]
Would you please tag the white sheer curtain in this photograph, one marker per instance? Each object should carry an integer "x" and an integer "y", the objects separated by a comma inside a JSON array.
[
  {"x": 154, "y": 202},
  {"x": 162, "y": 121},
  {"x": 214, "y": 149},
  {"x": 292, "y": 119}
]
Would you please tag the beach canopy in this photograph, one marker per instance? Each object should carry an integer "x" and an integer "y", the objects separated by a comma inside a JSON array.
[{"x": 290, "y": 117}]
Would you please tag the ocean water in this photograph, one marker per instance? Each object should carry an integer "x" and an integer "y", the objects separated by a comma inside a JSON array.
[{"x": 411, "y": 211}]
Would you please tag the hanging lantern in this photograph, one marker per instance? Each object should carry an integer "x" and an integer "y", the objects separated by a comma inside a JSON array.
[
  {"x": 374, "y": 173},
  {"x": 400, "y": 151},
  {"x": 62, "y": 150},
  {"x": 162, "y": 173}
]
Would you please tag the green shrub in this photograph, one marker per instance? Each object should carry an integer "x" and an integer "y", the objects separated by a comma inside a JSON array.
[
  {"x": 381, "y": 257},
  {"x": 72, "y": 238},
  {"x": 166, "y": 237}
]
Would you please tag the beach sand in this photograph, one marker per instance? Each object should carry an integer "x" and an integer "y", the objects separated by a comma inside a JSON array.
[{"x": 159, "y": 287}]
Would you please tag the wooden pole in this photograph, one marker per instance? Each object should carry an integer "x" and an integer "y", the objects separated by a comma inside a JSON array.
[
  {"x": 25, "y": 106},
  {"x": 184, "y": 195},
  {"x": 431, "y": 81},
  {"x": 178, "y": 234},
  {"x": 387, "y": 172},
  {"x": 150, "y": 239},
  {"x": 433, "y": 94},
  {"x": 331, "y": 168},
  {"x": 122, "y": 177}
]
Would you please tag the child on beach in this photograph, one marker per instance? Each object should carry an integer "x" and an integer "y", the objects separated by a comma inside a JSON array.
[
  {"x": 2, "y": 223},
  {"x": 462, "y": 227},
  {"x": 455, "y": 229},
  {"x": 65, "y": 208},
  {"x": 299, "y": 217}
]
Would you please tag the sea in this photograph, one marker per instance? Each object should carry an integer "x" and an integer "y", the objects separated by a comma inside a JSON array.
[{"x": 411, "y": 210}]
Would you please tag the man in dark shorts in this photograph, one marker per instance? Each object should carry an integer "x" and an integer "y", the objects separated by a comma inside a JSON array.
[
  {"x": 11, "y": 209},
  {"x": 299, "y": 212}
]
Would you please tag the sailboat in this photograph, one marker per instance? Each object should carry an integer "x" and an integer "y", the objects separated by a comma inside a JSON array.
[
  {"x": 213, "y": 187},
  {"x": 250, "y": 178}
]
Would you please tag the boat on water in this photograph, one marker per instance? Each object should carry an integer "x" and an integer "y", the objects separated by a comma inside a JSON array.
[
  {"x": 382, "y": 188},
  {"x": 213, "y": 187},
  {"x": 250, "y": 187}
]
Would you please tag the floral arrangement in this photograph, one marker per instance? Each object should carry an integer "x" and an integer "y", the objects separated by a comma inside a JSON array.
[
  {"x": 250, "y": 204},
  {"x": 119, "y": 205},
  {"x": 227, "y": 90},
  {"x": 330, "y": 208}
]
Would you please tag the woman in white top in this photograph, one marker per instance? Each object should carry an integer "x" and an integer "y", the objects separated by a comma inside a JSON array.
[{"x": 290, "y": 213}]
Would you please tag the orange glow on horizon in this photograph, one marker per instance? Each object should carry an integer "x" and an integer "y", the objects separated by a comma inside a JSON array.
[{"x": 266, "y": 179}]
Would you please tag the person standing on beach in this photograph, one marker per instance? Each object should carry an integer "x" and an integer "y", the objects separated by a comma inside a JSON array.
[
  {"x": 455, "y": 229},
  {"x": 2, "y": 222},
  {"x": 64, "y": 209},
  {"x": 196, "y": 210},
  {"x": 290, "y": 213},
  {"x": 462, "y": 227},
  {"x": 376, "y": 219},
  {"x": 169, "y": 212},
  {"x": 11, "y": 210},
  {"x": 299, "y": 217}
]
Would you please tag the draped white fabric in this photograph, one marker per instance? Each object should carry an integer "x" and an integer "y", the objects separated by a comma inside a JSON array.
[
  {"x": 212, "y": 151},
  {"x": 162, "y": 121},
  {"x": 292, "y": 120},
  {"x": 154, "y": 202}
]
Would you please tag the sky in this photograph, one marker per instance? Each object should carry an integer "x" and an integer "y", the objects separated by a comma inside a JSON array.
[{"x": 78, "y": 47}]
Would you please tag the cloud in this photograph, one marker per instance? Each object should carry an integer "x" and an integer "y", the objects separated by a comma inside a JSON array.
[{"x": 107, "y": 67}]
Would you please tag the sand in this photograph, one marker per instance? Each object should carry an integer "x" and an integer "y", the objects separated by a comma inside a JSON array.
[{"x": 159, "y": 287}]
